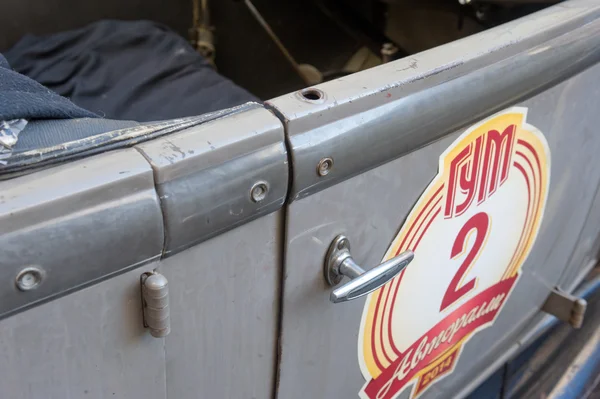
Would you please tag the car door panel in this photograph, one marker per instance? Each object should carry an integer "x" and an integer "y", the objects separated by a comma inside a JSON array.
[
  {"x": 202, "y": 206},
  {"x": 89, "y": 344},
  {"x": 224, "y": 313},
  {"x": 585, "y": 255},
  {"x": 238, "y": 210},
  {"x": 360, "y": 126},
  {"x": 82, "y": 224},
  {"x": 222, "y": 185},
  {"x": 63, "y": 219}
]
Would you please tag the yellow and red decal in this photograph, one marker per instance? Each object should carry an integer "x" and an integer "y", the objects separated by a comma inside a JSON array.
[{"x": 471, "y": 231}]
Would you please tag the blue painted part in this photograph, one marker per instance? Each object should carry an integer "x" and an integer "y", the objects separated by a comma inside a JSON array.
[
  {"x": 491, "y": 388},
  {"x": 516, "y": 367},
  {"x": 502, "y": 383},
  {"x": 583, "y": 375},
  {"x": 589, "y": 288}
]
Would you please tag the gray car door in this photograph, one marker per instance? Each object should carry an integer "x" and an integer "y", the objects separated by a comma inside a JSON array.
[
  {"x": 392, "y": 159},
  {"x": 202, "y": 207}
]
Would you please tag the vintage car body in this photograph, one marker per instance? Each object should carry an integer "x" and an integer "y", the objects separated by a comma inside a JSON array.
[{"x": 238, "y": 209}]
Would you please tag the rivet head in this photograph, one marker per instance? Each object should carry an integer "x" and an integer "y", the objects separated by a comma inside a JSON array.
[
  {"x": 259, "y": 191},
  {"x": 29, "y": 278},
  {"x": 324, "y": 166}
]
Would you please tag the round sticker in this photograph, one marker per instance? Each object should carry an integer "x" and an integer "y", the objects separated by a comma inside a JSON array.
[{"x": 471, "y": 231}]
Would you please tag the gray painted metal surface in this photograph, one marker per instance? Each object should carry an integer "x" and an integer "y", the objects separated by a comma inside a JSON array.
[
  {"x": 398, "y": 107},
  {"x": 319, "y": 339},
  {"x": 79, "y": 222},
  {"x": 189, "y": 197},
  {"x": 86, "y": 220},
  {"x": 224, "y": 296},
  {"x": 90, "y": 344},
  {"x": 205, "y": 174},
  {"x": 223, "y": 292},
  {"x": 541, "y": 324},
  {"x": 585, "y": 254}
]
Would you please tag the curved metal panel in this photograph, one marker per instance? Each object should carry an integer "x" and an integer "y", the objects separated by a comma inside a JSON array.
[
  {"x": 87, "y": 345},
  {"x": 206, "y": 175},
  {"x": 224, "y": 313},
  {"x": 401, "y": 106},
  {"x": 369, "y": 207},
  {"x": 75, "y": 224}
]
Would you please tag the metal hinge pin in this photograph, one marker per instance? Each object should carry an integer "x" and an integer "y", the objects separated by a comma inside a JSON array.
[{"x": 155, "y": 302}]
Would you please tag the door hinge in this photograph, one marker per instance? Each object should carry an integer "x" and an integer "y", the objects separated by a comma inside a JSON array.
[
  {"x": 565, "y": 307},
  {"x": 155, "y": 303}
]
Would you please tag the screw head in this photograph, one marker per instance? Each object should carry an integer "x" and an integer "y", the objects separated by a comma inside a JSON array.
[
  {"x": 324, "y": 166},
  {"x": 389, "y": 49},
  {"x": 29, "y": 278},
  {"x": 259, "y": 191},
  {"x": 342, "y": 244}
]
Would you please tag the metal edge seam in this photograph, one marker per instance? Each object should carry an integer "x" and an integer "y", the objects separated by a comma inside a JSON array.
[
  {"x": 266, "y": 209},
  {"x": 163, "y": 213}
]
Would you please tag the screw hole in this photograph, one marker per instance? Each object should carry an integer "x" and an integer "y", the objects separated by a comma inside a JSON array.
[
  {"x": 29, "y": 278},
  {"x": 259, "y": 191},
  {"x": 324, "y": 166},
  {"x": 312, "y": 94}
]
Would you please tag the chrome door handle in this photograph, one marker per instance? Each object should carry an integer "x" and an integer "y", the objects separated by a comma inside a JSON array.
[{"x": 339, "y": 263}]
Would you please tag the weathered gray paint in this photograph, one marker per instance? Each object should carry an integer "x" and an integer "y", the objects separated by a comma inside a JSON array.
[
  {"x": 540, "y": 324},
  {"x": 204, "y": 175},
  {"x": 90, "y": 219},
  {"x": 90, "y": 344},
  {"x": 224, "y": 291},
  {"x": 80, "y": 222},
  {"x": 393, "y": 109},
  {"x": 319, "y": 339},
  {"x": 585, "y": 255},
  {"x": 224, "y": 297},
  {"x": 224, "y": 305}
]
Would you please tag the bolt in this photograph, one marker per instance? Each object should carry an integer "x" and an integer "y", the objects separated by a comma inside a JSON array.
[
  {"x": 259, "y": 191},
  {"x": 324, "y": 166},
  {"x": 29, "y": 278},
  {"x": 388, "y": 51}
]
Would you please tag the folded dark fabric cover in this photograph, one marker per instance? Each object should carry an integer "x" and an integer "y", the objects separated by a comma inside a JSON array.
[
  {"x": 23, "y": 98},
  {"x": 134, "y": 70}
]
